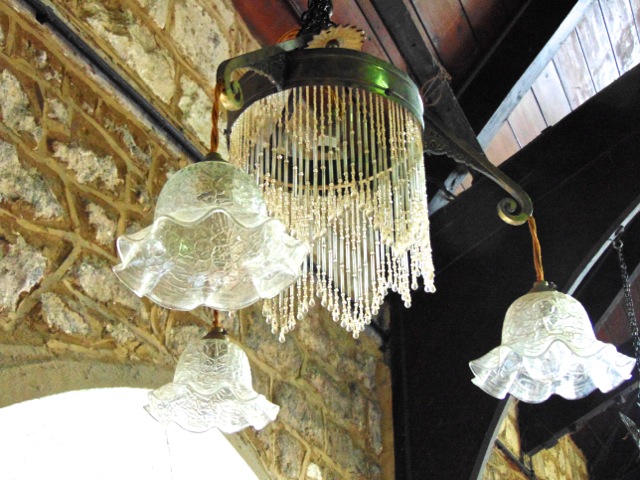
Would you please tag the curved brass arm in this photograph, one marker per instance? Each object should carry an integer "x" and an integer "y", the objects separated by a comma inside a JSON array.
[
  {"x": 232, "y": 97},
  {"x": 515, "y": 210}
]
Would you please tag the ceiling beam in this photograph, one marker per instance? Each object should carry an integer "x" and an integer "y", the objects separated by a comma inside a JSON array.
[
  {"x": 491, "y": 92},
  {"x": 425, "y": 69}
]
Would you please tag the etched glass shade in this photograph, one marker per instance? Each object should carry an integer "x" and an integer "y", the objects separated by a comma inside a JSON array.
[
  {"x": 212, "y": 388},
  {"x": 211, "y": 243},
  {"x": 548, "y": 346}
]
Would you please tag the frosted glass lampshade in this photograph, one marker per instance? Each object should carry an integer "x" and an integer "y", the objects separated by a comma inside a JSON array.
[
  {"x": 548, "y": 346},
  {"x": 212, "y": 388},
  {"x": 211, "y": 243}
]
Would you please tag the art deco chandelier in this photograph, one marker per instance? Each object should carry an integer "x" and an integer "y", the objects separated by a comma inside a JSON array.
[{"x": 333, "y": 137}]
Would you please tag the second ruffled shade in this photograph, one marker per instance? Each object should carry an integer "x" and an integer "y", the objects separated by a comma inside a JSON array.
[
  {"x": 548, "y": 346},
  {"x": 212, "y": 389}
]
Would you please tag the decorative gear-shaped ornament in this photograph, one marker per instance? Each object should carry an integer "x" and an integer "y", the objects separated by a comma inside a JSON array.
[{"x": 340, "y": 36}]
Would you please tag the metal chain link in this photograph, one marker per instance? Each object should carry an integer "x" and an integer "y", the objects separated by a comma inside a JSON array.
[
  {"x": 317, "y": 17},
  {"x": 628, "y": 304}
]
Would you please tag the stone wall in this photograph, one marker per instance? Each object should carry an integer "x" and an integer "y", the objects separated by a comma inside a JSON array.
[
  {"x": 81, "y": 166},
  {"x": 562, "y": 461}
]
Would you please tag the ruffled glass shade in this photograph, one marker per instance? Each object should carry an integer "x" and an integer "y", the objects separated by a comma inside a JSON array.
[
  {"x": 212, "y": 388},
  {"x": 548, "y": 346},
  {"x": 211, "y": 243}
]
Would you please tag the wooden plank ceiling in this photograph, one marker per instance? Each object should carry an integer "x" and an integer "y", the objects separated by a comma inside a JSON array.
[
  {"x": 457, "y": 32},
  {"x": 604, "y": 45}
]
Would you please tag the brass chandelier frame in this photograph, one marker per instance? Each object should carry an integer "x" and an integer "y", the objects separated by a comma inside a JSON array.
[{"x": 287, "y": 65}]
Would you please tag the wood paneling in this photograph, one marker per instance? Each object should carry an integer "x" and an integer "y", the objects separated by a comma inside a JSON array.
[
  {"x": 593, "y": 36},
  {"x": 267, "y": 20},
  {"x": 487, "y": 19},
  {"x": 503, "y": 145},
  {"x": 550, "y": 95},
  {"x": 377, "y": 29},
  {"x": 450, "y": 32},
  {"x": 515, "y": 65},
  {"x": 622, "y": 32},
  {"x": 574, "y": 72},
  {"x": 526, "y": 120}
]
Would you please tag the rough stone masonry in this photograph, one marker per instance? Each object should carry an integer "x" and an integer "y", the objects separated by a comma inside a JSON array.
[{"x": 81, "y": 166}]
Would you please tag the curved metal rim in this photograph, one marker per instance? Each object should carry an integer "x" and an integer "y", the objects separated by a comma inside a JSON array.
[{"x": 331, "y": 67}]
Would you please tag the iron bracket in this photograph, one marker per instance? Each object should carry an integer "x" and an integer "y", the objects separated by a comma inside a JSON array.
[{"x": 515, "y": 210}]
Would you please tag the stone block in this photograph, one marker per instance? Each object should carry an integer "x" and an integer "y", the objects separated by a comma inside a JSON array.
[
  {"x": 134, "y": 44},
  {"x": 299, "y": 413},
  {"x": 17, "y": 110},
  {"x": 375, "y": 427},
  {"x": 313, "y": 472},
  {"x": 89, "y": 167},
  {"x": 202, "y": 40},
  {"x": 284, "y": 357},
  {"x": 57, "y": 111},
  {"x": 105, "y": 227},
  {"x": 62, "y": 318},
  {"x": 342, "y": 400},
  {"x": 98, "y": 282},
  {"x": 22, "y": 267},
  {"x": 157, "y": 10},
  {"x": 290, "y": 455},
  {"x": 343, "y": 451},
  {"x": 196, "y": 107},
  {"x": 133, "y": 139},
  {"x": 21, "y": 184}
]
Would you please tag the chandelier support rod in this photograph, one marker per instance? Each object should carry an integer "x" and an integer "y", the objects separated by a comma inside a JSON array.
[
  {"x": 232, "y": 97},
  {"x": 515, "y": 210}
]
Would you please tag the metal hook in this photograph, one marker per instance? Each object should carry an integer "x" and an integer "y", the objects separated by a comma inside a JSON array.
[{"x": 617, "y": 238}]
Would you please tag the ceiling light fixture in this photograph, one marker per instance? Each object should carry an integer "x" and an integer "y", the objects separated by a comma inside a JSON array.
[
  {"x": 333, "y": 137},
  {"x": 548, "y": 346}
]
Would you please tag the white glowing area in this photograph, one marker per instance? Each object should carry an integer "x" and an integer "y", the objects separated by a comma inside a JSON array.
[{"x": 105, "y": 434}]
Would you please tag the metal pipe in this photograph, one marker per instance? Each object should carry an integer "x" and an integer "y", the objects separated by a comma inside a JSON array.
[
  {"x": 519, "y": 463},
  {"x": 46, "y": 16}
]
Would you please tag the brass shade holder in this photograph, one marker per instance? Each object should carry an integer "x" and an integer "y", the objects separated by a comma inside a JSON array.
[{"x": 287, "y": 65}]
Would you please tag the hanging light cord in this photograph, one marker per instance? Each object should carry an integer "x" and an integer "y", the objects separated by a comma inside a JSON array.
[
  {"x": 537, "y": 252},
  {"x": 217, "y": 331},
  {"x": 628, "y": 304},
  {"x": 215, "y": 116}
]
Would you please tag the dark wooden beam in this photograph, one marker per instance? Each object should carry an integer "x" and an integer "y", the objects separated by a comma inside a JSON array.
[
  {"x": 267, "y": 20},
  {"x": 582, "y": 176},
  {"x": 495, "y": 87},
  {"x": 441, "y": 105},
  {"x": 424, "y": 68}
]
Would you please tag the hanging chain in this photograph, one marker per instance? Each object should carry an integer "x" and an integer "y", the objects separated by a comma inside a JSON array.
[
  {"x": 317, "y": 17},
  {"x": 628, "y": 303}
]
